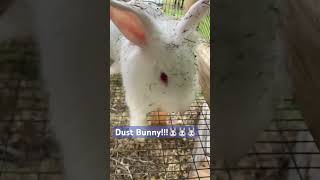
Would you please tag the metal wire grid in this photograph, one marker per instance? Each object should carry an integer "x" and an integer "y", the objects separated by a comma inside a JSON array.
[
  {"x": 192, "y": 155},
  {"x": 26, "y": 148},
  {"x": 285, "y": 151},
  {"x": 159, "y": 158}
]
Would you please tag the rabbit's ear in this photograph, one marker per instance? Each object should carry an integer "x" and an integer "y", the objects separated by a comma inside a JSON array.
[
  {"x": 135, "y": 26},
  {"x": 192, "y": 18}
]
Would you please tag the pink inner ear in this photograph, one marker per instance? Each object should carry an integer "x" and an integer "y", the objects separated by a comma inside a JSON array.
[{"x": 130, "y": 25}]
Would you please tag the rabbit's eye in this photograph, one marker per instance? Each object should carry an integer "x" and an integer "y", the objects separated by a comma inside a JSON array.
[{"x": 164, "y": 78}]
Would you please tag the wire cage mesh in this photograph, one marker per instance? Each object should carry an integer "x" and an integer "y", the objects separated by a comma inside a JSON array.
[
  {"x": 285, "y": 151},
  {"x": 27, "y": 148},
  {"x": 159, "y": 158},
  {"x": 162, "y": 158}
]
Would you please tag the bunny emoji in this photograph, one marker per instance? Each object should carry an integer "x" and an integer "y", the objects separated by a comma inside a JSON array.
[
  {"x": 182, "y": 132},
  {"x": 173, "y": 132},
  {"x": 191, "y": 132}
]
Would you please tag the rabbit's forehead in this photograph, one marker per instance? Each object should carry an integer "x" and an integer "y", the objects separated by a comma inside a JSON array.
[
  {"x": 172, "y": 55},
  {"x": 176, "y": 59},
  {"x": 180, "y": 52}
]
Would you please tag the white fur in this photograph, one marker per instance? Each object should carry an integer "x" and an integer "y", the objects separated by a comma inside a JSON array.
[{"x": 141, "y": 67}]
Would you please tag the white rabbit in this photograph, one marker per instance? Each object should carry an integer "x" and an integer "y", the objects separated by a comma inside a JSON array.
[
  {"x": 155, "y": 57},
  {"x": 72, "y": 39}
]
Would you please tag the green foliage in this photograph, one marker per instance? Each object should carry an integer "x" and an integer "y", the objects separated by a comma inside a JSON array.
[{"x": 175, "y": 10}]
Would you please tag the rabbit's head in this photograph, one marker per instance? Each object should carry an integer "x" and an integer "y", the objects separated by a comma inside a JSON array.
[{"x": 158, "y": 63}]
